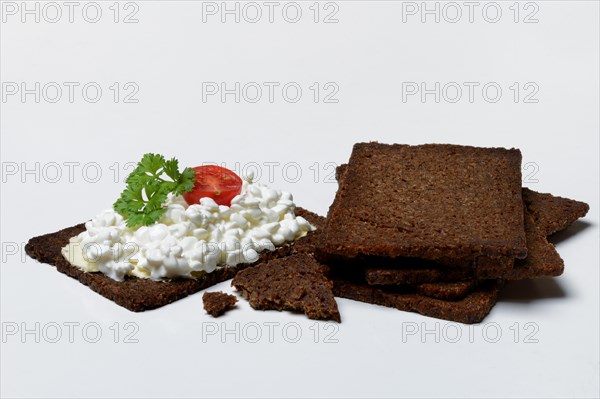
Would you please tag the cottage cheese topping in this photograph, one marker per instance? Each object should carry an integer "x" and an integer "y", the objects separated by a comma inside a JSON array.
[{"x": 189, "y": 240}]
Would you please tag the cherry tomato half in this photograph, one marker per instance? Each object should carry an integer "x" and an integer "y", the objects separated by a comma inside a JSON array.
[{"x": 216, "y": 182}]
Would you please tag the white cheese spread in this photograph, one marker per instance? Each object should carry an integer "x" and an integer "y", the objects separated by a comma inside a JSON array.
[{"x": 189, "y": 240}]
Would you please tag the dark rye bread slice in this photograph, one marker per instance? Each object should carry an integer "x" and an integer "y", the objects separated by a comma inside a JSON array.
[
  {"x": 552, "y": 213},
  {"x": 429, "y": 201},
  {"x": 138, "y": 294},
  {"x": 217, "y": 303},
  {"x": 296, "y": 282},
  {"x": 471, "y": 309}
]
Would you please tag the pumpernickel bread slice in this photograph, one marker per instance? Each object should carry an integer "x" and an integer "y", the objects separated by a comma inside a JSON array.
[
  {"x": 428, "y": 201},
  {"x": 138, "y": 294}
]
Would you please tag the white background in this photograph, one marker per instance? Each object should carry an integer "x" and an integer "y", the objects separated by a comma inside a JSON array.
[{"x": 368, "y": 54}]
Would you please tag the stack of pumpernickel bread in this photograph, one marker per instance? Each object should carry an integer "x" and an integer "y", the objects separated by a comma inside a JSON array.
[{"x": 435, "y": 229}]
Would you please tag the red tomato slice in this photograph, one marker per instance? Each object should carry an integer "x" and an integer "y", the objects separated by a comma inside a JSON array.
[{"x": 216, "y": 182}]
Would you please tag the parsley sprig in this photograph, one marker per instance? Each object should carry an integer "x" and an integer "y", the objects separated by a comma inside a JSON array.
[{"x": 148, "y": 187}]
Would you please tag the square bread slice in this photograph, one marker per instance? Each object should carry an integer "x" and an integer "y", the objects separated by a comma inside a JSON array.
[{"x": 428, "y": 201}]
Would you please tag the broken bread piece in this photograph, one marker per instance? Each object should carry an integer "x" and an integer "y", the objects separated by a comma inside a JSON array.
[
  {"x": 217, "y": 303},
  {"x": 296, "y": 282}
]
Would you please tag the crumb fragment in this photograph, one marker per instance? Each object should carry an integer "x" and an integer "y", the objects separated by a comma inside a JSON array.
[{"x": 217, "y": 303}]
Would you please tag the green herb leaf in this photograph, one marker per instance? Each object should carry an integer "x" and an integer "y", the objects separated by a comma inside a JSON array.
[{"x": 149, "y": 186}]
